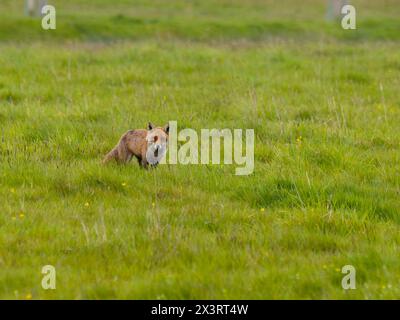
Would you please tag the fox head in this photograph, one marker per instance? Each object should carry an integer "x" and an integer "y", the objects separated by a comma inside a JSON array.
[{"x": 157, "y": 143}]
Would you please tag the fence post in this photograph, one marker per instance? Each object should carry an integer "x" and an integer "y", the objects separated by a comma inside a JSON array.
[
  {"x": 30, "y": 7},
  {"x": 334, "y": 9},
  {"x": 42, "y": 3},
  {"x": 34, "y": 7}
]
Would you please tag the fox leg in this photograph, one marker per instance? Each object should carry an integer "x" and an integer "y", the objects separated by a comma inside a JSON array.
[
  {"x": 124, "y": 154},
  {"x": 143, "y": 163}
]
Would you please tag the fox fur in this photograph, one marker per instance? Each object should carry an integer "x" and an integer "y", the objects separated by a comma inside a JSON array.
[{"x": 140, "y": 143}]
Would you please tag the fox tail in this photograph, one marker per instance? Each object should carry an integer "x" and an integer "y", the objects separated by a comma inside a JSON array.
[
  {"x": 113, "y": 154},
  {"x": 120, "y": 153}
]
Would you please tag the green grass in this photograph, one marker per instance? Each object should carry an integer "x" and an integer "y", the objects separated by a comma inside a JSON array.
[{"x": 325, "y": 108}]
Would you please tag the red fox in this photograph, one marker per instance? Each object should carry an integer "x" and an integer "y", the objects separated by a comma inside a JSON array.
[{"x": 148, "y": 146}]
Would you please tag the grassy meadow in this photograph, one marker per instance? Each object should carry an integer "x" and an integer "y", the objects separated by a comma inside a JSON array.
[{"x": 325, "y": 106}]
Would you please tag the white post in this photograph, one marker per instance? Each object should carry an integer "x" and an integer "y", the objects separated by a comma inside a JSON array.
[
  {"x": 30, "y": 7},
  {"x": 42, "y": 3},
  {"x": 334, "y": 9},
  {"x": 34, "y": 7}
]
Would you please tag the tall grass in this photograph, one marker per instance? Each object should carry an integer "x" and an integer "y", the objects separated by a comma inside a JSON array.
[{"x": 325, "y": 108}]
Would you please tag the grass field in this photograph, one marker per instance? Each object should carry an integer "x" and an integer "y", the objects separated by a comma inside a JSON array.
[{"x": 325, "y": 106}]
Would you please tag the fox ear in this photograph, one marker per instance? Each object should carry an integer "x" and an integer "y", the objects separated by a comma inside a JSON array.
[
  {"x": 166, "y": 128},
  {"x": 150, "y": 126}
]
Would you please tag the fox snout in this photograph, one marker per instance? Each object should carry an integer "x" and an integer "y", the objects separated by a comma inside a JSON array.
[
  {"x": 156, "y": 149},
  {"x": 157, "y": 143}
]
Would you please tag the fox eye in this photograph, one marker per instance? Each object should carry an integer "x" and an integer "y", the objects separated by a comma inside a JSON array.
[{"x": 155, "y": 138}]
